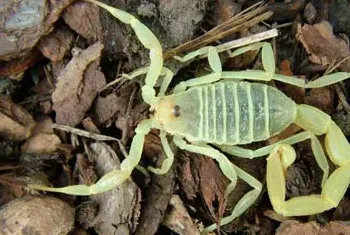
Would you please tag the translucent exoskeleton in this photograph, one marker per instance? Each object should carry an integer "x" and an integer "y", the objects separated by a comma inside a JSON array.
[{"x": 221, "y": 109}]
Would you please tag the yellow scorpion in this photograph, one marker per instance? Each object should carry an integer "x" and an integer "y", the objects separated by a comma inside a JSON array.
[{"x": 221, "y": 110}]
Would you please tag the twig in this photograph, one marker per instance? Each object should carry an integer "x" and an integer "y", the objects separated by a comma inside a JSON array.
[
  {"x": 342, "y": 98},
  {"x": 246, "y": 40},
  {"x": 83, "y": 133},
  {"x": 339, "y": 92},
  {"x": 237, "y": 23}
]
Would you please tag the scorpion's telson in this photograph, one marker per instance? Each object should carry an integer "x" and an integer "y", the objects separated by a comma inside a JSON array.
[{"x": 225, "y": 113}]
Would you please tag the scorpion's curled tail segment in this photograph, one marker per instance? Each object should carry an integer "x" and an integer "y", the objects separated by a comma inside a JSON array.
[
  {"x": 334, "y": 187},
  {"x": 113, "y": 178},
  {"x": 149, "y": 40}
]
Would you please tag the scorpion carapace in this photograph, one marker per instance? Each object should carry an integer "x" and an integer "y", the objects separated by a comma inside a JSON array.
[{"x": 226, "y": 112}]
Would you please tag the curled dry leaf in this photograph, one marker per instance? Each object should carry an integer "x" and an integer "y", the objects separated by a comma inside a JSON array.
[
  {"x": 292, "y": 227},
  {"x": 24, "y": 22},
  {"x": 118, "y": 208},
  {"x": 200, "y": 174},
  {"x": 78, "y": 85},
  {"x": 15, "y": 122},
  {"x": 323, "y": 46},
  {"x": 37, "y": 215}
]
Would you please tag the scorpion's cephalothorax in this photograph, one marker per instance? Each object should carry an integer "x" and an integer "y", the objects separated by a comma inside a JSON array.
[{"x": 226, "y": 112}]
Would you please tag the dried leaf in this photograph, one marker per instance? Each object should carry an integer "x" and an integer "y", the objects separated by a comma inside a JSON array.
[
  {"x": 201, "y": 174},
  {"x": 119, "y": 207},
  {"x": 15, "y": 122},
  {"x": 292, "y": 227},
  {"x": 323, "y": 47},
  {"x": 78, "y": 85}
]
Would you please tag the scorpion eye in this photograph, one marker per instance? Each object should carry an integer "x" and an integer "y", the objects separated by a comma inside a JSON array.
[{"x": 176, "y": 111}]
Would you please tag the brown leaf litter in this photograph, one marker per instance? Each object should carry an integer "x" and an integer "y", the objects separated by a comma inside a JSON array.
[
  {"x": 293, "y": 227},
  {"x": 118, "y": 208},
  {"x": 323, "y": 46},
  {"x": 201, "y": 176},
  {"x": 78, "y": 86}
]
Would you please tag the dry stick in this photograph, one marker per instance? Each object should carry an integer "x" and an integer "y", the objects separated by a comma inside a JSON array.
[
  {"x": 244, "y": 25},
  {"x": 83, "y": 133},
  {"x": 235, "y": 24},
  {"x": 342, "y": 97},
  {"x": 338, "y": 90},
  {"x": 246, "y": 40}
]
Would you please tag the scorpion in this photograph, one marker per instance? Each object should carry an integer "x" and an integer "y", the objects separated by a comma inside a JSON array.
[{"x": 220, "y": 111}]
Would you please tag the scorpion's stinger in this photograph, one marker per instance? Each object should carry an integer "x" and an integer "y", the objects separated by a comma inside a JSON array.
[{"x": 334, "y": 187}]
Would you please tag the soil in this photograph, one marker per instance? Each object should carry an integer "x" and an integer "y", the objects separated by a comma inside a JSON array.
[{"x": 68, "y": 117}]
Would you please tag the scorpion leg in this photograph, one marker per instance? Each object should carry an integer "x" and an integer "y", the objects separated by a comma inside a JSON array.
[
  {"x": 168, "y": 153},
  {"x": 231, "y": 172},
  {"x": 315, "y": 146},
  {"x": 115, "y": 177},
  {"x": 269, "y": 73},
  {"x": 215, "y": 64},
  {"x": 335, "y": 186},
  {"x": 167, "y": 73}
]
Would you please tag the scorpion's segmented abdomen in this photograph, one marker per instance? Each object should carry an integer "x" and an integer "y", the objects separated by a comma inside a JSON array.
[{"x": 241, "y": 112}]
